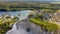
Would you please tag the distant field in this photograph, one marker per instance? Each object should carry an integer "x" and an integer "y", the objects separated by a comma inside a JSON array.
[{"x": 17, "y": 6}]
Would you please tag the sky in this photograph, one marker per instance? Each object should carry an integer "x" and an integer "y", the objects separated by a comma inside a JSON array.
[{"x": 29, "y": 0}]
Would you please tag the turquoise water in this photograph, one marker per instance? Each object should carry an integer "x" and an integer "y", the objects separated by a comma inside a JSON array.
[{"x": 16, "y": 13}]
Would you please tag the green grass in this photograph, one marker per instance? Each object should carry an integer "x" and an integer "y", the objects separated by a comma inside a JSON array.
[{"x": 45, "y": 24}]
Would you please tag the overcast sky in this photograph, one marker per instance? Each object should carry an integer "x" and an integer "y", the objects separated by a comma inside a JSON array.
[{"x": 29, "y": 0}]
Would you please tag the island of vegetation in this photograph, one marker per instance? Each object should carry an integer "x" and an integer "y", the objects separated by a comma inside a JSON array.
[{"x": 6, "y": 22}]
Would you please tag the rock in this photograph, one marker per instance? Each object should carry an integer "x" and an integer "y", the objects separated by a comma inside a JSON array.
[{"x": 28, "y": 29}]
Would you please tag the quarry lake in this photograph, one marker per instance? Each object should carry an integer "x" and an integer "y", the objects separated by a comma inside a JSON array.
[{"x": 22, "y": 12}]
